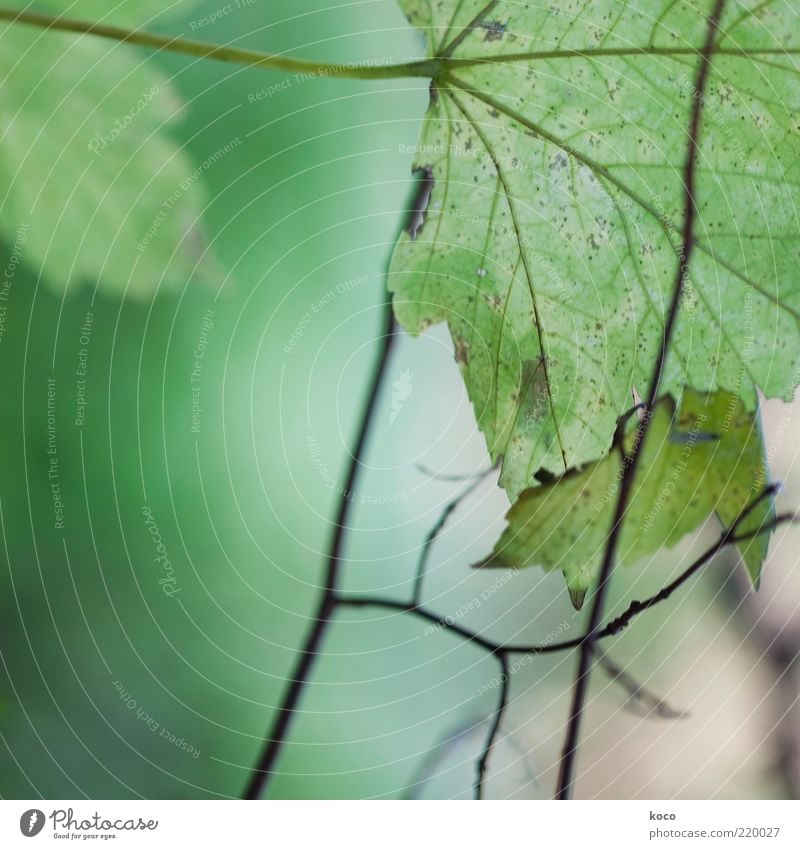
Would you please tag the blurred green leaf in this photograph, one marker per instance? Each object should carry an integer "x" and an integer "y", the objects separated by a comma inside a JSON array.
[
  {"x": 89, "y": 166},
  {"x": 708, "y": 459}
]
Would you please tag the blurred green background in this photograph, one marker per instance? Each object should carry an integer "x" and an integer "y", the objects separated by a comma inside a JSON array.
[{"x": 110, "y": 688}]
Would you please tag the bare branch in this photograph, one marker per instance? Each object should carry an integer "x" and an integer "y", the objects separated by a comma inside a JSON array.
[
  {"x": 505, "y": 675},
  {"x": 275, "y": 738},
  {"x": 447, "y": 623},
  {"x": 631, "y": 462},
  {"x": 437, "y": 529},
  {"x": 646, "y": 701},
  {"x": 727, "y": 538}
]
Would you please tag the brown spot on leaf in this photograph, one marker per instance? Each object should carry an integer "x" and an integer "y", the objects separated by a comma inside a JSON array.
[
  {"x": 462, "y": 352},
  {"x": 534, "y": 397},
  {"x": 495, "y": 30},
  {"x": 422, "y": 197}
]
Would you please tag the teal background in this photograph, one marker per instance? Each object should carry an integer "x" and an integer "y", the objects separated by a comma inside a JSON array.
[{"x": 313, "y": 197}]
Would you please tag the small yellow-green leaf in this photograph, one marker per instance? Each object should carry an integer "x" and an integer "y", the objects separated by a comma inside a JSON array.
[{"x": 708, "y": 458}]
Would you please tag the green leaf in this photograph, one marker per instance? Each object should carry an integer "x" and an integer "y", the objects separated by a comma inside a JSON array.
[
  {"x": 708, "y": 459},
  {"x": 89, "y": 170},
  {"x": 556, "y": 140}
]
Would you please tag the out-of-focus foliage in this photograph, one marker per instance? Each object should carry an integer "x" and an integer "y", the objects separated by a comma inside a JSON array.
[{"x": 105, "y": 194}]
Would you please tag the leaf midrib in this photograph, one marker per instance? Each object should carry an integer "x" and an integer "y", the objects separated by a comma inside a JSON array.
[
  {"x": 611, "y": 52},
  {"x": 512, "y": 211}
]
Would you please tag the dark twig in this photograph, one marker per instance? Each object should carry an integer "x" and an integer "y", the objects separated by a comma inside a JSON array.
[
  {"x": 447, "y": 623},
  {"x": 434, "y": 757},
  {"x": 657, "y": 706},
  {"x": 442, "y": 476},
  {"x": 434, "y": 532},
  {"x": 727, "y": 538},
  {"x": 438, "y": 623},
  {"x": 631, "y": 461},
  {"x": 502, "y": 703},
  {"x": 331, "y": 600},
  {"x": 648, "y": 702},
  {"x": 273, "y": 743}
]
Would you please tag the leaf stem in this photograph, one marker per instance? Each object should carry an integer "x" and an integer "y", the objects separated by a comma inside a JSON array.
[
  {"x": 630, "y": 462},
  {"x": 424, "y": 68},
  {"x": 427, "y": 68}
]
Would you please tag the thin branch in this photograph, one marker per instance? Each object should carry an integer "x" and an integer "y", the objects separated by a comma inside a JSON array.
[
  {"x": 648, "y": 701},
  {"x": 637, "y": 607},
  {"x": 434, "y": 532},
  {"x": 225, "y": 53},
  {"x": 502, "y": 704},
  {"x": 332, "y": 600},
  {"x": 434, "y": 757},
  {"x": 276, "y": 737},
  {"x": 439, "y": 623},
  {"x": 446, "y": 478},
  {"x": 631, "y": 461},
  {"x": 447, "y": 623}
]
